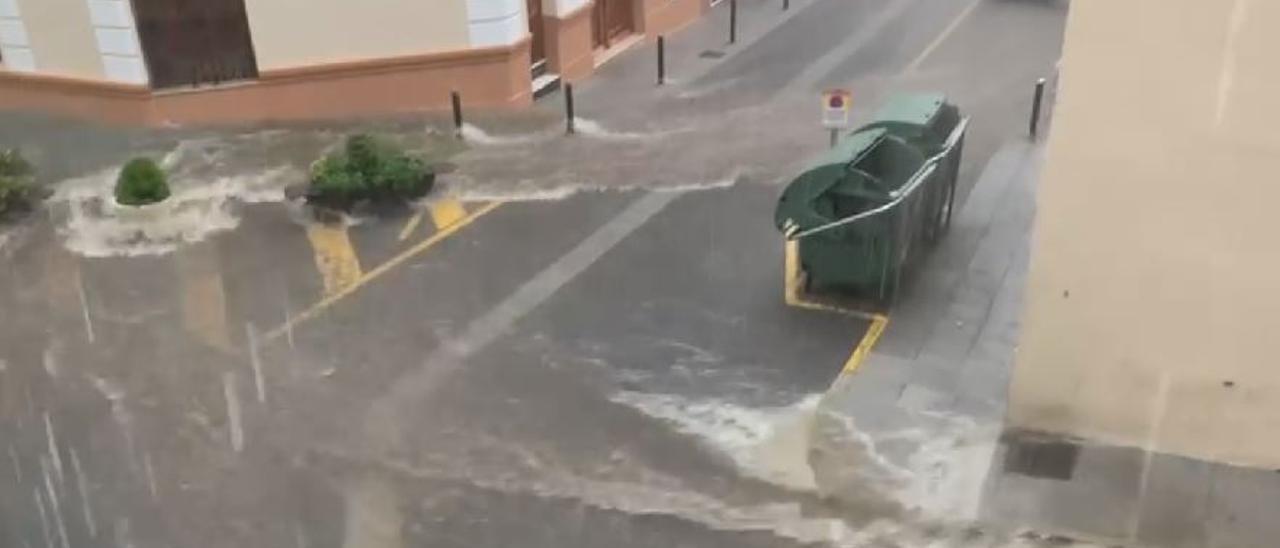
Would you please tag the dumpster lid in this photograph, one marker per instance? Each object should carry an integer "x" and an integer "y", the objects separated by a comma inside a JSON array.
[
  {"x": 914, "y": 108},
  {"x": 830, "y": 174}
]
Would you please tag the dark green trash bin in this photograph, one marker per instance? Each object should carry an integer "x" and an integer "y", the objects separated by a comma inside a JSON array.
[{"x": 858, "y": 213}]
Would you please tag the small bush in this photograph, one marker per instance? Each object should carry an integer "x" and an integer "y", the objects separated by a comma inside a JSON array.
[
  {"x": 367, "y": 169},
  {"x": 17, "y": 183},
  {"x": 141, "y": 182}
]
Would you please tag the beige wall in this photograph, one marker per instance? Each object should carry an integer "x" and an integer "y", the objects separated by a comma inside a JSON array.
[
  {"x": 1153, "y": 312},
  {"x": 291, "y": 33},
  {"x": 61, "y": 36}
]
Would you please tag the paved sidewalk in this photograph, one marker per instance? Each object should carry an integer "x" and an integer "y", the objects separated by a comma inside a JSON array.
[
  {"x": 916, "y": 430},
  {"x": 912, "y": 430}
]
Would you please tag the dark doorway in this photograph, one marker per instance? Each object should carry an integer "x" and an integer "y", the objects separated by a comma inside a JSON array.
[
  {"x": 195, "y": 42},
  {"x": 611, "y": 20}
]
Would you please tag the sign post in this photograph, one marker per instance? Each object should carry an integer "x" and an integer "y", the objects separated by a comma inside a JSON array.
[{"x": 836, "y": 104}]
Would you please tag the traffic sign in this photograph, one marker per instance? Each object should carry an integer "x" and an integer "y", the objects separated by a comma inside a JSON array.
[{"x": 836, "y": 104}]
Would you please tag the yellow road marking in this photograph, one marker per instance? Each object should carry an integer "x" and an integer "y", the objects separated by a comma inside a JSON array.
[
  {"x": 864, "y": 347},
  {"x": 409, "y": 226},
  {"x": 204, "y": 298},
  {"x": 791, "y": 287},
  {"x": 335, "y": 257},
  {"x": 445, "y": 213},
  {"x": 383, "y": 268}
]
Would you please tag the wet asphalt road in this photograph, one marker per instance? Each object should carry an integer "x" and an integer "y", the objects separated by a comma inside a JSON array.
[{"x": 607, "y": 368}]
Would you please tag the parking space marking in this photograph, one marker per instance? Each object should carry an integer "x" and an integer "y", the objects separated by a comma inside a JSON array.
[
  {"x": 860, "y": 352},
  {"x": 446, "y": 212},
  {"x": 792, "y": 294},
  {"x": 410, "y": 226},
  {"x": 335, "y": 257},
  {"x": 443, "y": 214},
  {"x": 204, "y": 296},
  {"x": 331, "y": 298}
]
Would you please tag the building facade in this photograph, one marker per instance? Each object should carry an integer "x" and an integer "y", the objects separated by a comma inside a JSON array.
[
  {"x": 1152, "y": 311},
  {"x": 161, "y": 62}
]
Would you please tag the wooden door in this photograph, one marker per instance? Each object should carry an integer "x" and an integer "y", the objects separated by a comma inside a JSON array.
[
  {"x": 610, "y": 20},
  {"x": 193, "y": 42},
  {"x": 537, "y": 31}
]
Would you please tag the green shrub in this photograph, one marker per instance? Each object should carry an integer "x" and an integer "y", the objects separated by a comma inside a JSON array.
[
  {"x": 141, "y": 182},
  {"x": 17, "y": 183},
  {"x": 368, "y": 169}
]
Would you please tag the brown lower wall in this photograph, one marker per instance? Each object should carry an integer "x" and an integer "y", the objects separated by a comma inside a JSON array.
[
  {"x": 664, "y": 16},
  {"x": 86, "y": 99},
  {"x": 569, "y": 48},
  {"x": 488, "y": 77}
]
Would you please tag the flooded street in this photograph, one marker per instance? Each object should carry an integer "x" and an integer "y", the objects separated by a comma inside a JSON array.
[{"x": 573, "y": 341}]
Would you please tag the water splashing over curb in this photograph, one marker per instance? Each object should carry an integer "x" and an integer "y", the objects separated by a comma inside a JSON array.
[{"x": 96, "y": 227}]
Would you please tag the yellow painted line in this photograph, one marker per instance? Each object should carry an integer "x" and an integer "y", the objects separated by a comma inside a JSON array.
[
  {"x": 791, "y": 287},
  {"x": 204, "y": 296},
  {"x": 445, "y": 213},
  {"x": 383, "y": 268},
  {"x": 864, "y": 347},
  {"x": 335, "y": 257},
  {"x": 791, "y": 272},
  {"x": 410, "y": 226}
]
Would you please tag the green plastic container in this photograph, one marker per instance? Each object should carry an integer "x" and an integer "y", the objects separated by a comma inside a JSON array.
[{"x": 859, "y": 212}]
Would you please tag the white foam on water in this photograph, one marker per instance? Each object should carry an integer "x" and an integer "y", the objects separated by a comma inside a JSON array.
[
  {"x": 524, "y": 191},
  {"x": 529, "y": 191},
  {"x": 594, "y": 129},
  {"x": 947, "y": 471},
  {"x": 475, "y": 135},
  {"x": 647, "y": 493},
  {"x": 770, "y": 444},
  {"x": 95, "y": 227}
]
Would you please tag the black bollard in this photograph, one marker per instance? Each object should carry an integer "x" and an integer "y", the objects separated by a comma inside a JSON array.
[
  {"x": 662, "y": 60},
  {"x": 457, "y": 114},
  {"x": 568, "y": 108},
  {"x": 1035, "y": 108}
]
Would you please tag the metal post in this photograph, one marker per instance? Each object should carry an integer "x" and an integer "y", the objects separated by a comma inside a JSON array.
[
  {"x": 568, "y": 108},
  {"x": 835, "y": 137},
  {"x": 733, "y": 21},
  {"x": 662, "y": 60},
  {"x": 786, "y": 5},
  {"x": 1035, "y": 108},
  {"x": 457, "y": 114}
]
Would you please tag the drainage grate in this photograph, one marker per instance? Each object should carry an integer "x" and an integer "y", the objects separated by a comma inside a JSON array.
[
  {"x": 1041, "y": 459},
  {"x": 711, "y": 54}
]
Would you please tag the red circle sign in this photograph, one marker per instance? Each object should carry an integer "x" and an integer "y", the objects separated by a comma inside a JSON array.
[{"x": 836, "y": 101}]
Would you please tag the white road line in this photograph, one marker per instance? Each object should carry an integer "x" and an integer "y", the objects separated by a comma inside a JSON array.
[
  {"x": 52, "y": 497},
  {"x": 383, "y": 416},
  {"x": 256, "y": 361},
  {"x": 150, "y": 472},
  {"x": 288, "y": 320},
  {"x": 53, "y": 449},
  {"x": 233, "y": 411},
  {"x": 83, "y": 486},
  {"x": 17, "y": 464},
  {"x": 44, "y": 517},
  {"x": 820, "y": 68},
  {"x": 84, "y": 307},
  {"x": 946, "y": 33}
]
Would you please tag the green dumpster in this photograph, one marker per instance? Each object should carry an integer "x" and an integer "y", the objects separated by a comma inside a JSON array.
[{"x": 858, "y": 214}]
